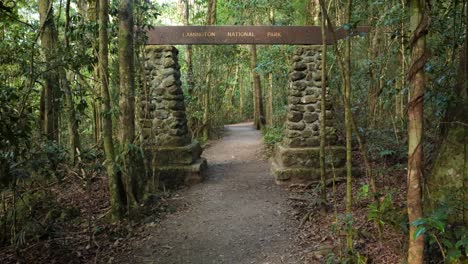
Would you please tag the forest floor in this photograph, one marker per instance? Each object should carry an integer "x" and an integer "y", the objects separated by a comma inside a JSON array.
[{"x": 237, "y": 215}]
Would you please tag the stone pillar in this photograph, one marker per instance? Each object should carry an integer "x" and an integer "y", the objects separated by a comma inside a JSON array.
[
  {"x": 174, "y": 158},
  {"x": 297, "y": 156}
]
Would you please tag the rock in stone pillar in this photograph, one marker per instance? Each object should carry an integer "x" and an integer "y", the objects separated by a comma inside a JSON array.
[
  {"x": 175, "y": 158},
  {"x": 297, "y": 156}
]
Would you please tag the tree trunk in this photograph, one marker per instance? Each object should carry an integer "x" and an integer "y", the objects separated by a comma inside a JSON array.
[
  {"x": 322, "y": 112},
  {"x": 132, "y": 160},
  {"x": 234, "y": 87},
  {"x": 415, "y": 128},
  {"x": 189, "y": 52},
  {"x": 269, "y": 93},
  {"x": 348, "y": 128},
  {"x": 126, "y": 73},
  {"x": 91, "y": 16},
  {"x": 117, "y": 194},
  {"x": 210, "y": 20},
  {"x": 241, "y": 98},
  {"x": 50, "y": 91},
  {"x": 313, "y": 12},
  {"x": 206, "y": 101},
  {"x": 72, "y": 123},
  {"x": 259, "y": 119},
  {"x": 374, "y": 76},
  {"x": 270, "y": 100},
  {"x": 399, "y": 98}
]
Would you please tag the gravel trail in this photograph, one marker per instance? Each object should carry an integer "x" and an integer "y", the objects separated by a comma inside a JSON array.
[{"x": 237, "y": 215}]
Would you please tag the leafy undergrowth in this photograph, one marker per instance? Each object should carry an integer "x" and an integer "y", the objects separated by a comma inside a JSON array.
[
  {"x": 379, "y": 228},
  {"x": 68, "y": 222},
  {"x": 271, "y": 136}
]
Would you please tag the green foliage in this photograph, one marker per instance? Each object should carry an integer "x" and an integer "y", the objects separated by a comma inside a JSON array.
[
  {"x": 363, "y": 192},
  {"x": 31, "y": 217},
  {"x": 15, "y": 126},
  {"x": 345, "y": 224},
  {"x": 55, "y": 153},
  {"x": 225, "y": 98},
  {"x": 272, "y": 135},
  {"x": 382, "y": 146},
  {"x": 376, "y": 71},
  {"x": 287, "y": 12},
  {"x": 383, "y": 212},
  {"x": 450, "y": 241},
  {"x": 15, "y": 136}
]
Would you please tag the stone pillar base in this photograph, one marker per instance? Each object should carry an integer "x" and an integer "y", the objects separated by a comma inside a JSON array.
[
  {"x": 173, "y": 158},
  {"x": 178, "y": 175},
  {"x": 176, "y": 166},
  {"x": 301, "y": 164}
]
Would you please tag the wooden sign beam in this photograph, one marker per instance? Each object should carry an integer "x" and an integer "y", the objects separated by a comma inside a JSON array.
[{"x": 225, "y": 35}]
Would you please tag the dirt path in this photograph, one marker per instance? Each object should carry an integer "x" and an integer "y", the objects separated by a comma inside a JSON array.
[{"x": 237, "y": 215}]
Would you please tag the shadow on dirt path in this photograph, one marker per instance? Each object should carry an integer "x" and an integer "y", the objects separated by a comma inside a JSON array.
[{"x": 237, "y": 215}]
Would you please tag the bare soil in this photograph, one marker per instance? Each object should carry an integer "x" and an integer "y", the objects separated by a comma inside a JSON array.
[{"x": 237, "y": 215}]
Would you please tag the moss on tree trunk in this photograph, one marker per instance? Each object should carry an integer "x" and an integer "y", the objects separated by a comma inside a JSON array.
[
  {"x": 133, "y": 168},
  {"x": 446, "y": 184}
]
